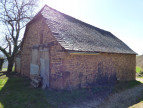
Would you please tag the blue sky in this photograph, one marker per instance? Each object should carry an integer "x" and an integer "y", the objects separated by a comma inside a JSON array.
[{"x": 124, "y": 18}]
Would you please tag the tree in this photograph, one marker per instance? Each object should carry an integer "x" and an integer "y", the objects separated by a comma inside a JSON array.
[{"x": 14, "y": 15}]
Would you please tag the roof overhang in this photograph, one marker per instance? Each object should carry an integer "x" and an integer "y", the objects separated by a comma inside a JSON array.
[{"x": 83, "y": 53}]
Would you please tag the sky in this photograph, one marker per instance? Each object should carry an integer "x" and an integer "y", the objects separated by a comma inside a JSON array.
[{"x": 123, "y": 18}]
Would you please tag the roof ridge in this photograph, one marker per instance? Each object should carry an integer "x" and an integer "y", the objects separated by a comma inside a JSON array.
[
  {"x": 74, "y": 34},
  {"x": 85, "y": 23}
]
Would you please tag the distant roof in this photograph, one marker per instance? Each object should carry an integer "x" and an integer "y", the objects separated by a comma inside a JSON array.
[{"x": 76, "y": 35}]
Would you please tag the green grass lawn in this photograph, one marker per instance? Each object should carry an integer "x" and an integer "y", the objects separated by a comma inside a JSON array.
[
  {"x": 138, "y": 69},
  {"x": 16, "y": 92},
  {"x": 4, "y": 69},
  {"x": 126, "y": 85}
]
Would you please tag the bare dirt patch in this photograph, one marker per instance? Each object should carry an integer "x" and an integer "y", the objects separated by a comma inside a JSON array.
[
  {"x": 125, "y": 94},
  {"x": 124, "y": 99}
]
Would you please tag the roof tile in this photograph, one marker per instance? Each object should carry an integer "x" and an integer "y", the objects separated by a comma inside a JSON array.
[{"x": 76, "y": 35}]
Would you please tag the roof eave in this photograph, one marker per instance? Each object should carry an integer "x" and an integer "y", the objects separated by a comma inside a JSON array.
[{"x": 96, "y": 52}]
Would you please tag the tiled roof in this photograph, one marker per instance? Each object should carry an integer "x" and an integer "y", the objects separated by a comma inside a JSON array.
[{"x": 76, "y": 35}]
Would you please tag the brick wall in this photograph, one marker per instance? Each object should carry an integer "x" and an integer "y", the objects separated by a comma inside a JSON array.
[
  {"x": 73, "y": 71},
  {"x": 82, "y": 70},
  {"x": 33, "y": 35}
]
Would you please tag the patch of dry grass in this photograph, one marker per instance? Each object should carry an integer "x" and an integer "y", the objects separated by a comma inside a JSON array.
[
  {"x": 138, "y": 105},
  {"x": 132, "y": 97}
]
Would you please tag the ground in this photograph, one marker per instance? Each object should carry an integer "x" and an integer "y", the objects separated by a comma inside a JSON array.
[
  {"x": 131, "y": 98},
  {"x": 16, "y": 92}
]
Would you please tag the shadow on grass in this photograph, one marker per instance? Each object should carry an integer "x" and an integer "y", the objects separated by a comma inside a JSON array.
[
  {"x": 120, "y": 86},
  {"x": 98, "y": 91},
  {"x": 17, "y": 93},
  {"x": 66, "y": 98},
  {"x": 2, "y": 73},
  {"x": 124, "y": 95}
]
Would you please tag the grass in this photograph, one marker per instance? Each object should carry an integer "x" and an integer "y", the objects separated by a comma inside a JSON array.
[
  {"x": 140, "y": 77},
  {"x": 60, "y": 98},
  {"x": 139, "y": 99},
  {"x": 138, "y": 105},
  {"x": 138, "y": 69},
  {"x": 125, "y": 85},
  {"x": 4, "y": 69},
  {"x": 16, "y": 92}
]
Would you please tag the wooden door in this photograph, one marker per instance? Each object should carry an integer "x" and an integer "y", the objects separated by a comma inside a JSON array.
[
  {"x": 34, "y": 67},
  {"x": 44, "y": 66}
]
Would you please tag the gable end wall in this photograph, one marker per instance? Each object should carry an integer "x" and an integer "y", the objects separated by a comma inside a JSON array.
[{"x": 33, "y": 34}]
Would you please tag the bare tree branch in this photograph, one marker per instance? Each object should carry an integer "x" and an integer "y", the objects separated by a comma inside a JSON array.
[
  {"x": 14, "y": 14},
  {"x": 9, "y": 43},
  {"x": 4, "y": 51}
]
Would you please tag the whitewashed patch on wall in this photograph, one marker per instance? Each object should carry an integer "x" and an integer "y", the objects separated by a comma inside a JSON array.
[
  {"x": 34, "y": 69},
  {"x": 35, "y": 54},
  {"x": 39, "y": 66}
]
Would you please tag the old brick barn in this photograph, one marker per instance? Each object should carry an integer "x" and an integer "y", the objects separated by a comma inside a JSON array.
[{"x": 68, "y": 53}]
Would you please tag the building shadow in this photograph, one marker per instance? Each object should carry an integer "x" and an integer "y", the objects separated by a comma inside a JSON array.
[
  {"x": 17, "y": 93},
  {"x": 12, "y": 94},
  {"x": 126, "y": 96}
]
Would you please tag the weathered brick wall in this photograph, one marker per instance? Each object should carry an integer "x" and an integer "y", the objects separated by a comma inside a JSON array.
[
  {"x": 72, "y": 71},
  {"x": 81, "y": 70},
  {"x": 32, "y": 37}
]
